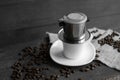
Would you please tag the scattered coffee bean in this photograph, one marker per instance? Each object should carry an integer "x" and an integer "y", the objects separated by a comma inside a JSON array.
[
  {"x": 29, "y": 65},
  {"x": 94, "y": 31},
  {"x": 72, "y": 71},
  {"x": 87, "y": 69},
  {"x": 114, "y": 34},
  {"x": 96, "y": 37},
  {"x": 66, "y": 71},
  {"x": 110, "y": 41},
  {"x": 96, "y": 56},
  {"x": 97, "y": 51},
  {"x": 119, "y": 49},
  {"x": 98, "y": 64},
  {"x": 92, "y": 68},
  {"x": 81, "y": 70},
  {"x": 80, "y": 79},
  {"x": 67, "y": 75}
]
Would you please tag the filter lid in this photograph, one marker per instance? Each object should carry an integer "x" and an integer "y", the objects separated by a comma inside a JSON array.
[{"x": 75, "y": 18}]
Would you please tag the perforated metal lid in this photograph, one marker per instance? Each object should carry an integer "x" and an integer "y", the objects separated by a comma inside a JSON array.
[{"x": 75, "y": 18}]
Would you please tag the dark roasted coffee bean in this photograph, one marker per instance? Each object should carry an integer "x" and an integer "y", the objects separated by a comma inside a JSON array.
[
  {"x": 38, "y": 56},
  {"x": 80, "y": 79},
  {"x": 52, "y": 76},
  {"x": 97, "y": 56},
  {"x": 30, "y": 49},
  {"x": 98, "y": 64},
  {"x": 19, "y": 54},
  {"x": 20, "y": 59},
  {"x": 42, "y": 76},
  {"x": 86, "y": 69},
  {"x": 47, "y": 68},
  {"x": 82, "y": 70},
  {"x": 92, "y": 68},
  {"x": 118, "y": 49},
  {"x": 72, "y": 71},
  {"x": 96, "y": 37},
  {"x": 18, "y": 76},
  {"x": 94, "y": 31},
  {"x": 101, "y": 42},
  {"x": 67, "y": 75},
  {"x": 46, "y": 79},
  {"x": 13, "y": 76},
  {"x": 57, "y": 76},
  {"x": 93, "y": 65},
  {"x": 97, "y": 51},
  {"x": 114, "y": 34}
]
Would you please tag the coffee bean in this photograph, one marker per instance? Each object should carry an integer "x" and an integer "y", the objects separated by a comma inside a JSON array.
[
  {"x": 57, "y": 76},
  {"x": 93, "y": 65},
  {"x": 94, "y": 31},
  {"x": 19, "y": 54},
  {"x": 87, "y": 69},
  {"x": 97, "y": 51},
  {"x": 46, "y": 79},
  {"x": 92, "y": 68},
  {"x": 97, "y": 56},
  {"x": 67, "y": 75},
  {"x": 98, "y": 64},
  {"x": 96, "y": 37},
  {"x": 109, "y": 40},
  {"x": 18, "y": 76},
  {"x": 80, "y": 79},
  {"x": 114, "y": 34},
  {"x": 101, "y": 42},
  {"x": 42, "y": 76},
  {"x": 118, "y": 49},
  {"x": 82, "y": 70},
  {"x": 29, "y": 65},
  {"x": 72, "y": 71},
  {"x": 13, "y": 76}
]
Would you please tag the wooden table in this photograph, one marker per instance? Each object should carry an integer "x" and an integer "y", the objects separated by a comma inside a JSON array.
[{"x": 24, "y": 23}]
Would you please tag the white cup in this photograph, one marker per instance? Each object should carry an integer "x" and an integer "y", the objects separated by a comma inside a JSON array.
[{"x": 76, "y": 51}]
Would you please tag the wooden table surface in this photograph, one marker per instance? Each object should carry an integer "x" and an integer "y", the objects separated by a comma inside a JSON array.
[{"x": 24, "y": 23}]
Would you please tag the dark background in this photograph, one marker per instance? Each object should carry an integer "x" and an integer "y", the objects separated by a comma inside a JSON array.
[
  {"x": 27, "y": 20},
  {"x": 24, "y": 22}
]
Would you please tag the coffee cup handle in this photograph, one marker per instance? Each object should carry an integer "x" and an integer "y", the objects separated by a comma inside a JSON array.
[{"x": 91, "y": 37}]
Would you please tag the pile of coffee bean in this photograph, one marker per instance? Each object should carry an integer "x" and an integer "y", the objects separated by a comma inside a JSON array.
[
  {"x": 90, "y": 66},
  {"x": 66, "y": 71},
  {"x": 27, "y": 67},
  {"x": 34, "y": 64},
  {"x": 110, "y": 41}
]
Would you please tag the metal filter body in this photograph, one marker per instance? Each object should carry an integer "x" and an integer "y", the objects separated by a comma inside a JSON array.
[{"x": 74, "y": 27}]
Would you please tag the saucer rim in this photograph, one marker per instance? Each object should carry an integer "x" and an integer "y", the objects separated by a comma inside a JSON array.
[{"x": 58, "y": 62}]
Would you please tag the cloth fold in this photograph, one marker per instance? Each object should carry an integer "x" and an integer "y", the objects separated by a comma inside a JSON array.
[{"x": 107, "y": 53}]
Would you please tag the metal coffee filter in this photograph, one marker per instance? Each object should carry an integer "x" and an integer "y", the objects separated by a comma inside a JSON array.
[{"x": 74, "y": 29}]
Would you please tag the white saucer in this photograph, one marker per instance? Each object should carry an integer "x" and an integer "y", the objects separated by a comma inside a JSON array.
[{"x": 56, "y": 53}]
